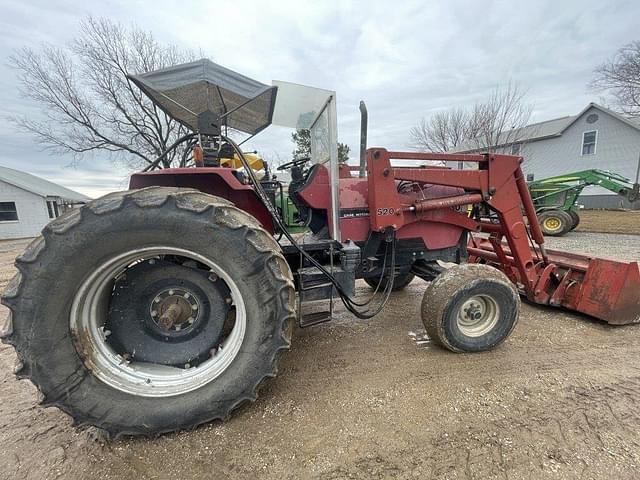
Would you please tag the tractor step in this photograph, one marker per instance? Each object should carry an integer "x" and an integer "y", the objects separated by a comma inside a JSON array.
[
  {"x": 314, "y": 318},
  {"x": 313, "y": 293},
  {"x": 313, "y": 284}
]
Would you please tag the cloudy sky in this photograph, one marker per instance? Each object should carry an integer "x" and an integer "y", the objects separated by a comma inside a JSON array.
[{"x": 406, "y": 59}]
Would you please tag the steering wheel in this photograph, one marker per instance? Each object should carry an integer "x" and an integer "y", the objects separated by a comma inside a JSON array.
[{"x": 293, "y": 163}]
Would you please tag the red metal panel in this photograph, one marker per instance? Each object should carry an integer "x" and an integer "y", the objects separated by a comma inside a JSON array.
[
  {"x": 384, "y": 202},
  {"x": 438, "y": 229},
  {"x": 212, "y": 180},
  {"x": 611, "y": 291}
]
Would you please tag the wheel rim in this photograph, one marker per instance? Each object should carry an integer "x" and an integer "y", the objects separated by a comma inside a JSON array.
[
  {"x": 89, "y": 313},
  {"x": 552, "y": 223},
  {"x": 478, "y": 315}
]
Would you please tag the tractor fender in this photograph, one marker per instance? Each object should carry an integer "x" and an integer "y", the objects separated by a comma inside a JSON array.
[{"x": 219, "y": 181}]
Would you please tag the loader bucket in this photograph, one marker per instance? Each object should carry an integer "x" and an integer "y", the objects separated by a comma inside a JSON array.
[{"x": 602, "y": 288}]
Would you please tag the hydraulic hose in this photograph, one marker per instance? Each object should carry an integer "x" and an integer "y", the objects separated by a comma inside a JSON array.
[
  {"x": 349, "y": 303},
  {"x": 157, "y": 161}
]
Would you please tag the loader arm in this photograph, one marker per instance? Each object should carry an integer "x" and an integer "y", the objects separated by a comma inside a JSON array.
[
  {"x": 576, "y": 182},
  {"x": 602, "y": 288}
]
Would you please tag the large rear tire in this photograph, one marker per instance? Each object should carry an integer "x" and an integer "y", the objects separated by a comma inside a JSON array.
[
  {"x": 91, "y": 350},
  {"x": 470, "y": 308}
]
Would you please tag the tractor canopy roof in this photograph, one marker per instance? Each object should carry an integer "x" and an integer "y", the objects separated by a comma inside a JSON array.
[{"x": 192, "y": 91}]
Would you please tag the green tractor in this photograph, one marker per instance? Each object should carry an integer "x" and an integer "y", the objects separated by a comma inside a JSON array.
[
  {"x": 555, "y": 198},
  {"x": 289, "y": 213}
]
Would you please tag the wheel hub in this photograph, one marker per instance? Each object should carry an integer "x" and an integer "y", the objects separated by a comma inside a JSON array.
[
  {"x": 174, "y": 309},
  {"x": 473, "y": 312},
  {"x": 167, "y": 313},
  {"x": 478, "y": 315},
  {"x": 552, "y": 223}
]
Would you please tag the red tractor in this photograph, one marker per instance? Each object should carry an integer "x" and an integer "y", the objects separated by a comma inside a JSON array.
[{"x": 165, "y": 306}]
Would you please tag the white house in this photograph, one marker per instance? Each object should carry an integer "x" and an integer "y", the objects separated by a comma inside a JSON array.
[
  {"x": 28, "y": 203},
  {"x": 595, "y": 138}
]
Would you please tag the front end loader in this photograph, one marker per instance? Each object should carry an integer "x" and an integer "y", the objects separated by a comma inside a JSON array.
[{"x": 168, "y": 305}]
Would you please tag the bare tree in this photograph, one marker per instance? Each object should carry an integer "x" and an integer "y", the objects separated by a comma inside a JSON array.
[
  {"x": 498, "y": 122},
  {"x": 443, "y": 132},
  {"x": 621, "y": 77},
  {"x": 87, "y": 100},
  {"x": 490, "y": 125}
]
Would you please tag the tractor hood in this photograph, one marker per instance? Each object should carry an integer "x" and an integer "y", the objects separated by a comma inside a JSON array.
[{"x": 205, "y": 91}]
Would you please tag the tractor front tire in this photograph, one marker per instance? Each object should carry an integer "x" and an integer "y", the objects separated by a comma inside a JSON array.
[
  {"x": 555, "y": 223},
  {"x": 575, "y": 218},
  {"x": 470, "y": 308},
  {"x": 88, "y": 294},
  {"x": 399, "y": 281}
]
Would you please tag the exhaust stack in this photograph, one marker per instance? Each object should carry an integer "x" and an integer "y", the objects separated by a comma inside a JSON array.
[{"x": 364, "y": 118}]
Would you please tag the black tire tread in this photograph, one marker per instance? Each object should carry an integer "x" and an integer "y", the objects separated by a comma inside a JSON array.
[
  {"x": 442, "y": 289},
  {"x": 223, "y": 212},
  {"x": 399, "y": 282},
  {"x": 575, "y": 219}
]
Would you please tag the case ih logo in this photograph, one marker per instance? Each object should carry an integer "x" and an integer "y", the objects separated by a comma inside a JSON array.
[{"x": 354, "y": 212}]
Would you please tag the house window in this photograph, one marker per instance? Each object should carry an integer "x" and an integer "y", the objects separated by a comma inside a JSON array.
[
  {"x": 589, "y": 142},
  {"x": 592, "y": 118},
  {"x": 52, "y": 207},
  {"x": 515, "y": 148},
  {"x": 8, "y": 212}
]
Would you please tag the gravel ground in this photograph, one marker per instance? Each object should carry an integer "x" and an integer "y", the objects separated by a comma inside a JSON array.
[
  {"x": 605, "y": 245},
  {"x": 355, "y": 399}
]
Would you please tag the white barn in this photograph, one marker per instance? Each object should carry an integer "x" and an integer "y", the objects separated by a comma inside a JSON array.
[{"x": 28, "y": 203}]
